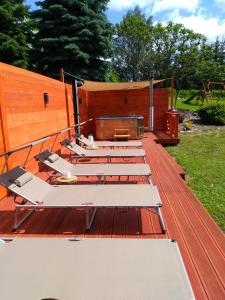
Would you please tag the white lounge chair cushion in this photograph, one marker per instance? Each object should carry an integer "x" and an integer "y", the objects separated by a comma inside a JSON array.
[
  {"x": 52, "y": 158},
  {"x": 23, "y": 179},
  {"x": 72, "y": 143}
]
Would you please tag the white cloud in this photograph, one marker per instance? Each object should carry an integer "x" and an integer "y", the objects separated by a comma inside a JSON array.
[
  {"x": 155, "y": 6},
  {"x": 172, "y": 10},
  {"x": 126, "y": 4},
  {"x": 163, "y": 5},
  {"x": 210, "y": 27}
]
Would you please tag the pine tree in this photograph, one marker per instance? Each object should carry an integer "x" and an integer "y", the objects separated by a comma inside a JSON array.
[
  {"x": 13, "y": 33},
  {"x": 74, "y": 35}
]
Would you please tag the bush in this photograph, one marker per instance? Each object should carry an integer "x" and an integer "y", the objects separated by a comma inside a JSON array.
[{"x": 213, "y": 113}]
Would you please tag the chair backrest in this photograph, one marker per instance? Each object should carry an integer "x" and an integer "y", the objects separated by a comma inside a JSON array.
[
  {"x": 84, "y": 140},
  {"x": 25, "y": 184},
  {"x": 71, "y": 145},
  {"x": 58, "y": 163}
]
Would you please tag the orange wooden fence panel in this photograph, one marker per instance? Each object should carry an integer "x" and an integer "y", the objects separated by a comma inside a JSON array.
[
  {"x": 129, "y": 102},
  {"x": 24, "y": 115}
]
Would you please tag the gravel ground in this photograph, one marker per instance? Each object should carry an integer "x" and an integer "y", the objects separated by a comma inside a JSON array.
[{"x": 196, "y": 124}]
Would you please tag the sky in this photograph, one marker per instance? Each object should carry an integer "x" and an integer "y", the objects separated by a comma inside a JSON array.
[{"x": 202, "y": 16}]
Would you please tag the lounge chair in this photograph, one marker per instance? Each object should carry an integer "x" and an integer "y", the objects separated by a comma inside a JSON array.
[
  {"x": 87, "y": 142},
  {"x": 60, "y": 165},
  {"x": 103, "y": 153},
  {"x": 40, "y": 194},
  {"x": 73, "y": 268}
]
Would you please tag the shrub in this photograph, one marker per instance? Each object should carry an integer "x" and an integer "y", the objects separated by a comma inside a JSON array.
[
  {"x": 213, "y": 113},
  {"x": 187, "y": 125}
]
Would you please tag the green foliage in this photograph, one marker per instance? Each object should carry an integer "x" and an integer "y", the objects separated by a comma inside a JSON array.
[
  {"x": 131, "y": 46},
  {"x": 213, "y": 113},
  {"x": 187, "y": 125},
  {"x": 202, "y": 155},
  {"x": 74, "y": 35},
  {"x": 171, "y": 50},
  {"x": 14, "y": 31}
]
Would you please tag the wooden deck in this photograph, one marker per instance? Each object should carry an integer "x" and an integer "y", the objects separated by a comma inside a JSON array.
[
  {"x": 201, "y": 242},
  {"x": 164, "y": 139}
]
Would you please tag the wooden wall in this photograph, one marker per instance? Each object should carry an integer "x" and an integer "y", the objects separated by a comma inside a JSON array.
[
  {"x": 161, "y": 96},
  {"x": 25, "y": 117},
  {"x": 129, "y": 102}
]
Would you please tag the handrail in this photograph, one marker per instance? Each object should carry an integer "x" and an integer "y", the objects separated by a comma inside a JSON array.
[
  {"x": 71, "y": 75},
  {"x": 36, "y": 142}
]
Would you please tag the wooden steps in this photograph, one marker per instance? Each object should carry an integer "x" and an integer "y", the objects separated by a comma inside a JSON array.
[{"x": 161, "y": 137}]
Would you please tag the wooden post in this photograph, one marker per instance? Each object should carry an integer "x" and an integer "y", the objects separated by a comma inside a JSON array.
[
  {"x": 151, "y": 104},
  {"x": 172, "y": 94},
  {"x": 62, "y": 76},
  {"x": 76, "y": 105}
]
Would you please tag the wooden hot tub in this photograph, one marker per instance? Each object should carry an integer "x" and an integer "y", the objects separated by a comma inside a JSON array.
[{"x": 105, "y": 126}]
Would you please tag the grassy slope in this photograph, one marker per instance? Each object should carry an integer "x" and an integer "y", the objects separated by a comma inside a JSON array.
[{"x": 202, "y": 155}]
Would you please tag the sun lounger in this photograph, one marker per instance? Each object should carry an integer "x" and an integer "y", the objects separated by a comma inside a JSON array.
[
  {"x": 73, "y": 268},
  {"x": 101, "y": 153},
  {"x": 88, "y": 143},
  {"x": 61, "y": 165},
  {"x": 40, "y": 194}
]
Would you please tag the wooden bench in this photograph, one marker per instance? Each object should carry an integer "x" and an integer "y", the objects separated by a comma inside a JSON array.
[{"x": 121, "y": 134}]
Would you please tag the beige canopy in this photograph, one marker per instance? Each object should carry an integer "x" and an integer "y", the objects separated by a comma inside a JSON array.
[{"x": 108, "y": 86}]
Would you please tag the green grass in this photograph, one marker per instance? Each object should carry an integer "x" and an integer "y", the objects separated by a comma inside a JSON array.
[
  {"x": 192, "y": 104},
  {"x": 202, "y": 155}
]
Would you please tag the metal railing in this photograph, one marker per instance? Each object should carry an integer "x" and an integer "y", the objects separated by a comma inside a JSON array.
[{"x": 42, "y": 140}]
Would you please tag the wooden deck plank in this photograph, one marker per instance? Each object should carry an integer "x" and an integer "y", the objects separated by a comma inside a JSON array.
[
  {"x": 201, "y": 242},
  {"x": 200, "y": 245}
]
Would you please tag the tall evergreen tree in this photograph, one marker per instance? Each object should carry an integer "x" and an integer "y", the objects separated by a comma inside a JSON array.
[
  {"x": 74, "y": 35},
  {"x": 13, "y": 33}
]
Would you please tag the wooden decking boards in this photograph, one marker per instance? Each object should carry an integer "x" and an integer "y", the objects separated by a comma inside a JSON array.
[
  {"x": 161, "y": 137},
  {"x": 201, "y": 242}
]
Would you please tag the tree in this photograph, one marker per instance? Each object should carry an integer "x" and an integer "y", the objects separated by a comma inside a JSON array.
[
  {"x": 14, "y": 33},
  {"x": 218, "y": 49},
  {"x": 74, "y": 35},
  {"x": 169, "y": 50},
  {"x": 131, "y": 45}
]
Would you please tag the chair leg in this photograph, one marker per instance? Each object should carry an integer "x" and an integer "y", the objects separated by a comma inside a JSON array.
[
  {"x": 89, "y": 220},
  {"x": 162, "y": 224},
  {"x": 18, "y": 223},
  {"x": 149, "y": 179}
]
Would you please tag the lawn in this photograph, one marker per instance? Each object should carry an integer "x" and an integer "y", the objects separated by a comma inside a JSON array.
[
  {"x": 202, "y": 155},
  {"x": 192, "y": 104}
]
